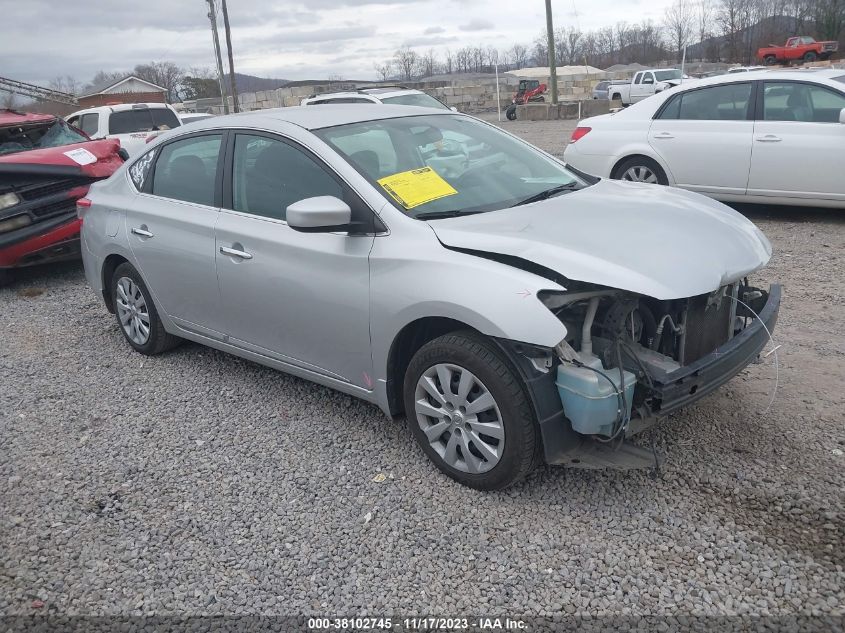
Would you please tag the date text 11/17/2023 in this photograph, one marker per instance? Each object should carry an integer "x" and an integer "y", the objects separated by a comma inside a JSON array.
[{"x": 422, "y": 623}]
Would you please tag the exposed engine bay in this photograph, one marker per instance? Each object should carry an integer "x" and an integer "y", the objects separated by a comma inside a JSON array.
[{"x": 626, "y": 356}]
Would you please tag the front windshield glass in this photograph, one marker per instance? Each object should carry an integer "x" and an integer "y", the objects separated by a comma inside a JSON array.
[
  {"x": 448, "y": 165},
  {"x": 29, "y": 136},
  {"x": 667, "y": 75},
  {"x": 421, "y": 100}
]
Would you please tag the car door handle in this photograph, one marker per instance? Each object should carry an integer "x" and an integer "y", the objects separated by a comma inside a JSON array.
[
  {"x": 142, "y": 232},
  {"x": 233, "y": 252},
  {"x": 769, "y": 138},
  {"x": 664, "y": 135}
]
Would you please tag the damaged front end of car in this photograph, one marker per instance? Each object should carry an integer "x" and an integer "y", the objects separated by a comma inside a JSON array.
[
  {"x": 45, "y": 167},
  {"x": 629, "y": 360}
]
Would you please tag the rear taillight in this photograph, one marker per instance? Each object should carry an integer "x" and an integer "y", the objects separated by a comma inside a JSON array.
[
  {"x": 579, "y": 132},
  {"x": 81, "y": 205}
]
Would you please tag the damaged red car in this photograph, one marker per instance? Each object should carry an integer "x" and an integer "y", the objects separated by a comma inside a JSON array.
[{"x": 46, "y": 165}]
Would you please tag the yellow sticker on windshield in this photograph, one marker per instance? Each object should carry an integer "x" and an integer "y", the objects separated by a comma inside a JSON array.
[{"x": 416, "y": 187}]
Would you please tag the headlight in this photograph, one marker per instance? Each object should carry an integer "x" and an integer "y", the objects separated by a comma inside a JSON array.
[
  {"x": 8, "y": 200},
  {"x": 15, "y": 222}
]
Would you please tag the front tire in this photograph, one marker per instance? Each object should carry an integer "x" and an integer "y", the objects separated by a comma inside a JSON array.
[
  {"x": 136, "y": 313},
  {"x": 510, "y": 113},
  {"x": 809, "y": 57},
  {"x": 640, "y": 169},
  {"x": 467, "y": 408},
  {"x": 770, "y": 60}
]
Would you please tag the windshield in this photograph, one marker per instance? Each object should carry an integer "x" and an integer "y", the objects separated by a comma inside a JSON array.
[
  {"x": 22, "y": 138},
  {"x": 667, "y": 75},
  {"x": 442, "y": 164},
  {"x": 421, "y": 100}
]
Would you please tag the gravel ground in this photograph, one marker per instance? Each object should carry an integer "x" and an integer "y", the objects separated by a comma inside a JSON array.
[{"x": 196, "y": 482}]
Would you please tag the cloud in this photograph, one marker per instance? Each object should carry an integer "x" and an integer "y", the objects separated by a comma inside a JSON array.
[
  {"x": 429, "y": 41},
  {"x": 432, "y": 30},
  {"x": 477, "y": 24}
]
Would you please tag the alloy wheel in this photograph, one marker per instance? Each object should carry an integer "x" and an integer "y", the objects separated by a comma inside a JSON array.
[
  {"x": 460, "y": 418},
  {"x": 640, "y": 173},
  {"x": 132, "y": 310}
]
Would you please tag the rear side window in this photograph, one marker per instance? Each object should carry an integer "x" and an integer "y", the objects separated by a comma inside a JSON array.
[
  {"x": 187, "y": 169},
  {"x": 807, "y": 103},
  {"x": 89, "y": 123},
  {"x": 718, "y": 103}
]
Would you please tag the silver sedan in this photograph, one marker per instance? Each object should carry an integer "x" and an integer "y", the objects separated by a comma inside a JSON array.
[{"x": 513, "y": 310}]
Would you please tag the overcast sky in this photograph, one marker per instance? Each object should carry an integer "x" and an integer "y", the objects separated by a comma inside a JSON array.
[{"x": 292, "y": 39}]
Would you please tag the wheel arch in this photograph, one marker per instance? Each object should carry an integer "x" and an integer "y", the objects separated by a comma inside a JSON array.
[
  {"x": 642, "y": 154},
  {"x": 110, "y": 264}
]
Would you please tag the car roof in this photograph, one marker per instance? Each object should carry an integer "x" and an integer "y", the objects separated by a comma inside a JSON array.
[
  {"x": 776, "y": 75},
  {"x": 367, "y": 92},
  {"x": 119, "y": 107},
  {"x": 13, "y": 117},
  {"x": 315, "y": 117}
]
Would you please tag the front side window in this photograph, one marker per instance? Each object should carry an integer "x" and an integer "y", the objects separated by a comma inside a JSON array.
[
  {"x": 89, "y": 123},
  {"x": 269, "y": 175},
  {"x": 448, "y": 164},
  {"x": 420, "y": 100},
  {"x": 808, "y": 103},
  {"x": 717, "y": 103},
  {"x": 187, "y": 169}
]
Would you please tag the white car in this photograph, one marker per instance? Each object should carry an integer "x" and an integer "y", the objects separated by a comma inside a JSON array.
[
  {"x": 133, "y": 124},
  {"x": 773, "y": 137},
  {"x": 393, "y": 95},
  {"x": 745, "y": 69},
  {"x": 190, "y": 117}
]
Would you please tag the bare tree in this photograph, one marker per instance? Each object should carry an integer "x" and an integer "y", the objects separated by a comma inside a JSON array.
[
  {"x": 449, "y": 62},
  {"x": 106, "y": 77},
  {"x": 165, "y": 74},
  {"x": 383, "y": 70},
  {"x": 406, "y": 60},
  {"x": 66, "y": 84},
  {"x": 518, "y": 56},
  {"x": 705, "y": 24},
  {"x": 679, "y": 21},
  {"x": 428, "y": 63}
]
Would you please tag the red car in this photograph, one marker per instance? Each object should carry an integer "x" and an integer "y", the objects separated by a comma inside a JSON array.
[
  {"x": 803, "y": 49},
  {"x": 46, "y": 165}
]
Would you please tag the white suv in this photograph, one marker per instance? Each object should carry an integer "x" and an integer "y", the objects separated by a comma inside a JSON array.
[
  {"x": 394, "y": 95},
  {"x": 133, "y": 124}
]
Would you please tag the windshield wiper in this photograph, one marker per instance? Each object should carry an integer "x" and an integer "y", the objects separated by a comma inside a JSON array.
[
  {"x": 548, "y": 193},
  {"x": 439, "y": 215}
]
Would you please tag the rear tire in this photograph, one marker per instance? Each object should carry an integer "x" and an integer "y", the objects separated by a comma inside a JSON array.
[
  {"x": 479, "y": 428},
  {"x": 640, "y": 169},
  {"x": 510, "y": 113},
  {"x": 136, "y": 313}
]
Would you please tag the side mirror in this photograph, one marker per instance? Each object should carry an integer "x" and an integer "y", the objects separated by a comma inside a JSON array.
[
  {"x": 842, "y": 116},
  {"x": 123, "y": 154},
  {"x": 322, "y": 214}
]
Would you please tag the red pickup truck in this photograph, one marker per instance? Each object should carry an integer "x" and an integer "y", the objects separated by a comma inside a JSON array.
[{"x": 804, "y": 49}]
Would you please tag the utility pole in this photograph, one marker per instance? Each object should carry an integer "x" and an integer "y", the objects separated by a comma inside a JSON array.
[
  {"x": 213, "y": 18},
  {"x": 550, "y": 34},
  {"x": 231, "y": 63}
]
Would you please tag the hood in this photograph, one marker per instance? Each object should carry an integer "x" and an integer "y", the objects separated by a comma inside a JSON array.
[
  {"x": 65, "y": 160},
  {"x": 657, "y": 241}
]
